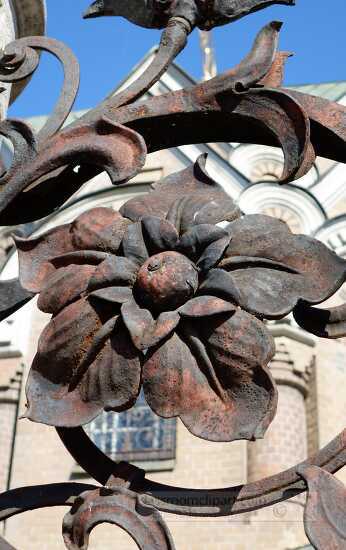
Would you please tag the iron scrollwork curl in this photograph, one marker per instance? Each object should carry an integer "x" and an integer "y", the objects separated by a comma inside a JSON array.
[
  {"x": 114, "y": 272},
  {"x": 20, "y": 59}
]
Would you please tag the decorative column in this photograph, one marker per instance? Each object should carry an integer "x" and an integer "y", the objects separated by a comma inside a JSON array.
[{"x": 285, "y": 443}]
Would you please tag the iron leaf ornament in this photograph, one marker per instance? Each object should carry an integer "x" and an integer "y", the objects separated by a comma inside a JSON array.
[
  {"x": 172, "y": 292},
  {"x": 325, "y": 512}
]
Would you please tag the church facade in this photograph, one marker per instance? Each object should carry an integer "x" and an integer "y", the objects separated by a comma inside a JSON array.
[{"x": 310, "y": 373}]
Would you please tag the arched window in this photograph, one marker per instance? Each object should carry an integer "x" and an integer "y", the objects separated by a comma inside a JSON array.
[{"x": 137, "y": 435}]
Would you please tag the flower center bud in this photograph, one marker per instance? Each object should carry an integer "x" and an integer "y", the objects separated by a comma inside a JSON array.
[{"x": 166, "y": 281}]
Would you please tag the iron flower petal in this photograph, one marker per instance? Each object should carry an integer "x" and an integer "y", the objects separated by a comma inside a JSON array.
[
  {"x": 35, "y": 254},
  {"x": 112, "y": 294},
  {"x": 71, "y": 284},
  {"x": 213, "y": 254},
  {"x": 145, "y": 331},
  {"x": 204, "y": 201},
  {"x": 85, "y": 362},
  {"x": 133, "y": 244},
  {"x": 195, "y": 241},
  {"x": 113, "y": 271},
  {"x": 78, "y": 257},
  {"x": 304, "y": 265},
  {"x": 221, "y": 284},
  {"x": 271, "y": 293},
  {"x": 159, "y": 235},
  {"x": 214, "y": 376},
  {"x": 205, "y": 306},
  {"x": 99, "y": 229}
]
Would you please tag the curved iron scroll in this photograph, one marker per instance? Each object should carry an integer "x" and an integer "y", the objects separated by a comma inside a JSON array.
[
  {"x": 227, "y": 501},
  {"x": 20, "y": 59}
]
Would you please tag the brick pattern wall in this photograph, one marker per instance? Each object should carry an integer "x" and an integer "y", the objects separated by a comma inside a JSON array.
[
  {"x": 331, "y": 394},
  {"x": 284, "y": 445},
  {"x": 312, "y": 413},
  {"x": 285, "y": 442},
  {"x": 7, "y": 417},
  {"x": 10, "y": 382}
]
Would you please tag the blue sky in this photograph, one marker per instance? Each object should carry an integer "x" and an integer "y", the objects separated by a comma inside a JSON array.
[{"x": 109, "y": 47}]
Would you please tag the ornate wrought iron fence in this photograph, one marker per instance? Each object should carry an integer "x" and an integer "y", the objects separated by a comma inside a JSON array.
[{"x": 161, "y": 294}]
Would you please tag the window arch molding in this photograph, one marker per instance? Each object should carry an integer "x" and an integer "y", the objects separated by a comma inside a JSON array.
[
  {"x": 263, "y": 163},
  {"x": 296, "y": 206}
]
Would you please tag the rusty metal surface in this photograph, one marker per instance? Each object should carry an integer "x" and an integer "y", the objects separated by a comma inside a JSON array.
[
  {"x": 157, "y": 13},
  {"x": 303, "y": 126},
  {"x": 139, "y": 295},
  {"x": 325, "y": 323},
  {"x": 19, "y": 60},
  {"x": 12, "y": 296},
  {"x": 113, "y": 147},
  {"x": 4, "y": 545},
  {"x": 120, "y": 507},
  {"x": 198, "y": 502},
  {"x": 325, "y": 512},
  {"x": 18, "y": 501},
  {"x": 173, "y": 41},
  {"x": 142, "y": 275},
  {"x": 158, "y": 294}
]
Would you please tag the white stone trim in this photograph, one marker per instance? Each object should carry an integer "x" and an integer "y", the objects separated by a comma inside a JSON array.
[
  {"x": 260, "y": 197},
  {"x": 249, "y": 159},
  {"x": 291, "y": 331},
  {"x": 331, "y": 188},
  {"x": 333, "y": 235},
  {"x": 342, "y": 100}
]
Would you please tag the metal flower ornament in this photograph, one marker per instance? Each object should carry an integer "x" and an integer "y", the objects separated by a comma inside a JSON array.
[
  {"x": 172, "y": 292},
  {"x": 162, "y": 277}
]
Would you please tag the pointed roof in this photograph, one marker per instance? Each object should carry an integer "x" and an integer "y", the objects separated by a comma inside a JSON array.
[{"x": 334, "y": 91}]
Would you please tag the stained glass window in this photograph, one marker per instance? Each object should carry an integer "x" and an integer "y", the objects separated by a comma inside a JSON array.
[{"x": 134, "y": 435}]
